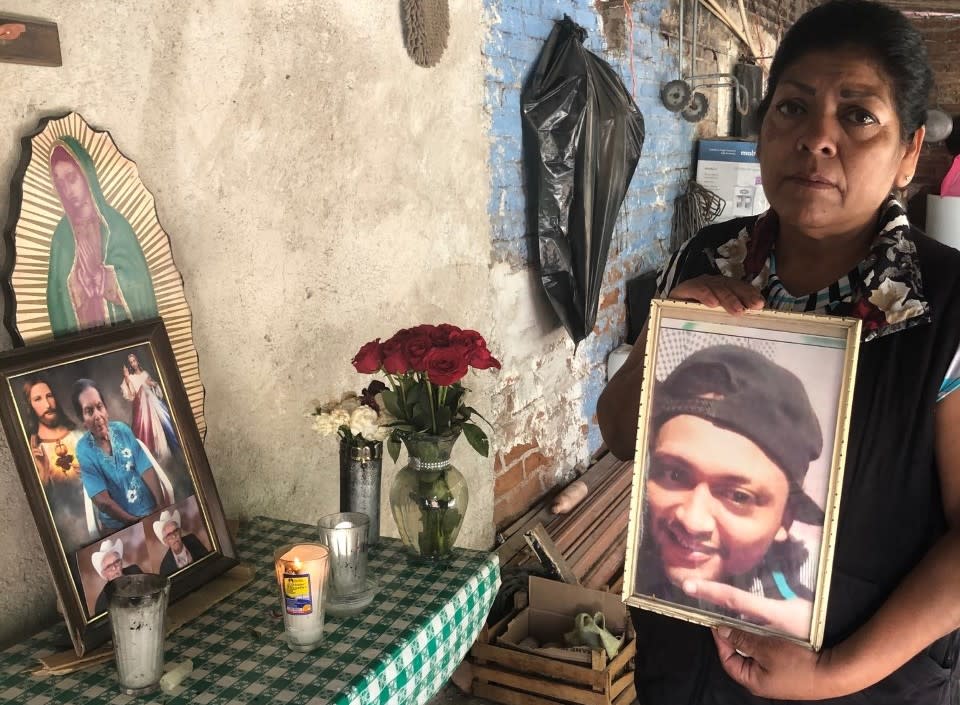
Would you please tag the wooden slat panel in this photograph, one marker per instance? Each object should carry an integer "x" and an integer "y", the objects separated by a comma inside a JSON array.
[
  {"x": 530, "y": 663},
  {"x": 538, "y": 685},
  {"x": 627, "y": 696},
  {"x": 948, "y": 6},
  {"x": 508, "y": 697}
]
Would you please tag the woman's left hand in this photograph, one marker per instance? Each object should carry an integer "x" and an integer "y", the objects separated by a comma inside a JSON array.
[{"x": 774, "y": 668}]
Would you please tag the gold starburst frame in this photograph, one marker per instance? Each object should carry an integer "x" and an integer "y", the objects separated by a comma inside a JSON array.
[
  {"x": 670, "y": 569},
  {"x": 37, "y": 211}
]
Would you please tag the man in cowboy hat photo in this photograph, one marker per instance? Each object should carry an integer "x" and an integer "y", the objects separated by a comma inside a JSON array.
[
  {"x": 108, "y": 562},
  {"x": 732, "y": 437},
  {"x": 182, "y": 549}
]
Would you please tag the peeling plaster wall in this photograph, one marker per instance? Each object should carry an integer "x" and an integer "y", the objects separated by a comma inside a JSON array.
[
  {"x": 546, "y": 397},
  {"x": 319, "y": 189}
]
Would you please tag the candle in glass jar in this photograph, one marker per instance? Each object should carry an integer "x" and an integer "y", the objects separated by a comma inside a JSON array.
[
  {"x": 345, "y": 533},
  {"x": 302, "y": 577}
]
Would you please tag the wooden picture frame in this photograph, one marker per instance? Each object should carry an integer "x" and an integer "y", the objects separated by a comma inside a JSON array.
[
  {"x": 59, "y": 401},
  {"x": 739, "y": 465},
  {"x": 27, "y": 40},
  {"x": 86, "y": 249}
]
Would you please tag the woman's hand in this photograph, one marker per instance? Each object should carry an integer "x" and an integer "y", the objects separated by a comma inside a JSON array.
[
  {"x": 774, "y": 668},
  {"x": 792, "y": 616},
  {"x": 733, "y": 295}
]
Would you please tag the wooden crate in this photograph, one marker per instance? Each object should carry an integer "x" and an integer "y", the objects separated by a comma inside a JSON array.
[{"x": 514, "y": 677}]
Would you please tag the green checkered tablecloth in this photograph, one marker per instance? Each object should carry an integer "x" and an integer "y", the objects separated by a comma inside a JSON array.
[{"x": 398, "y": 651}]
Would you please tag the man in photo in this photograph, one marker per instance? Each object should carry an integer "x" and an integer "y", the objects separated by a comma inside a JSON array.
[
  {"x": 53, "y": 442},
  {"x": 53, "y": 437},
  {"x": 108, "y": 562},
  {"x": 732, "y": 436},
  {"x": 117, "y": 473},
  {"x": 182, "y": 549}
]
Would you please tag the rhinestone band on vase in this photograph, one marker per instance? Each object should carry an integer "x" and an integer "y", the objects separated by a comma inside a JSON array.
[{"x": 418, "y": 464}]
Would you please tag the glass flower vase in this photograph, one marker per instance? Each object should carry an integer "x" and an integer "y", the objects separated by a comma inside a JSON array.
[{"x": 429, "y": 496}]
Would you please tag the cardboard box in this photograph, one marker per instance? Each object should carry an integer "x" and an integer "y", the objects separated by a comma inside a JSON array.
[
  {"x": 506, "y": 673},
  {"x": 730, "y": 169},
  {"x": 550, "y": 614}
]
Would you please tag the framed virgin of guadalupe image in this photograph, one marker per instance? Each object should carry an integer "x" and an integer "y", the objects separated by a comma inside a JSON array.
[
  {"x": 87, "y": 248},
  {"x": 113, "y": 468},
  {"x": 740, "y": 447}
]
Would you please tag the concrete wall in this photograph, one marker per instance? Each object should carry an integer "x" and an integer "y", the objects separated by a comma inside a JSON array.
[{"x": 319, "y": 190}]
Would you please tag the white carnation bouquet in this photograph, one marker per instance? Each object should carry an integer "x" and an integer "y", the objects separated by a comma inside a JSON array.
[{"x": 357, "y": 420}]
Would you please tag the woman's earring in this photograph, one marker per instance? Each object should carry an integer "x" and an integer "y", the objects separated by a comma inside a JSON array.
[{"x": 906, "y": 180}]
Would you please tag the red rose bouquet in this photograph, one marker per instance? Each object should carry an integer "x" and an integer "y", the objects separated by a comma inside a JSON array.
[{"x": 424, "y": 366}]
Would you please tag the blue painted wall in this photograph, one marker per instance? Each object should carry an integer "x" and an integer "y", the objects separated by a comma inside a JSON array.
[{"x": 518, "y": 30}]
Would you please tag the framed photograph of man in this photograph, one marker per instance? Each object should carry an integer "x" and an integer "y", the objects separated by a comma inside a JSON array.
[
  {"x": 113, "y": 467},
  {"x": 740, "y": 446}
]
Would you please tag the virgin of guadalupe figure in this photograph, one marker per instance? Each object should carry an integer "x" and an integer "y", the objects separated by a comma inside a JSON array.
[
  {"x": 98, "y": 274},
  {"x": 152, "y": 423}
]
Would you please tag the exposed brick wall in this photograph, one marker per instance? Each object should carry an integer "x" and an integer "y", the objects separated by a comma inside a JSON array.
[
  {"x": 527, "y": 469},
  {"x": 521, "y": 478},
  {"x": 529, "y": 461},
  {"x": 718, "y": 49},
  {"x": 942, "y": 35}
]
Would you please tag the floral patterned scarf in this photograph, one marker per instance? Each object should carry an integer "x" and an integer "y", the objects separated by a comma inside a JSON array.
[{"x": 886, "y": 288}]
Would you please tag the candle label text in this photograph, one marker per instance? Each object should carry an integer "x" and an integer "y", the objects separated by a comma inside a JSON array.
[{"x": 296, "y": 594}]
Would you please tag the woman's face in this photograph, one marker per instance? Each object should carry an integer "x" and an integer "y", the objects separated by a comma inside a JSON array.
[
  {"x": 72, "y": 187},
  {"x": 95, "y": 416},
  {"x": 830, "y": 147}
]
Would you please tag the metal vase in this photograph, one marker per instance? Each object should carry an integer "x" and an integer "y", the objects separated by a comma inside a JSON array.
[{"x": 360, "y": 469}]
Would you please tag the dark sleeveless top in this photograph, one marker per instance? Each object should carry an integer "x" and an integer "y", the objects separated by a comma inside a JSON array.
[{"x": 891, "y": 510}]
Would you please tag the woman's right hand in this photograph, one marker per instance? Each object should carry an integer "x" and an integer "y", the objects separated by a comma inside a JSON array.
[{"x": 734, "y": 295}]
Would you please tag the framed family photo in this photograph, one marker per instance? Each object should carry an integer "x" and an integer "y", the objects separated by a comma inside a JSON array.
[
  {"x": 739, "y": 466},
  {"x": 113, "y": 467}
]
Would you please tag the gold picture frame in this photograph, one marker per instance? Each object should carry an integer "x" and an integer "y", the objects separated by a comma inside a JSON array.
[
  {"x": 65, "y": 275},
  {"x": 738, "y": 529}
]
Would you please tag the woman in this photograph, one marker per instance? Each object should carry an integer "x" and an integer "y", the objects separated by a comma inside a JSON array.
[
  {"x": 98, "y": 274},
  {"x": 151, "y": 418},
  {"x": 842, "y": 126}
]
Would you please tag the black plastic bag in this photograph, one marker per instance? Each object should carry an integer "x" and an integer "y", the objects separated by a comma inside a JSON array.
[{"x": 582, "y": 139}]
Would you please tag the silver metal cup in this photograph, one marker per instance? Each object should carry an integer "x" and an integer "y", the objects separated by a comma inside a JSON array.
[
  {"x": 137, "y": 605},
  {"x": 345, "y": 534}
]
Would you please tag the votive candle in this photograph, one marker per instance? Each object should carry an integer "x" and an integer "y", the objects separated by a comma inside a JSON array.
[
  {"x": 302, "y": 577},
  {"x": 345, "y": 534}
]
